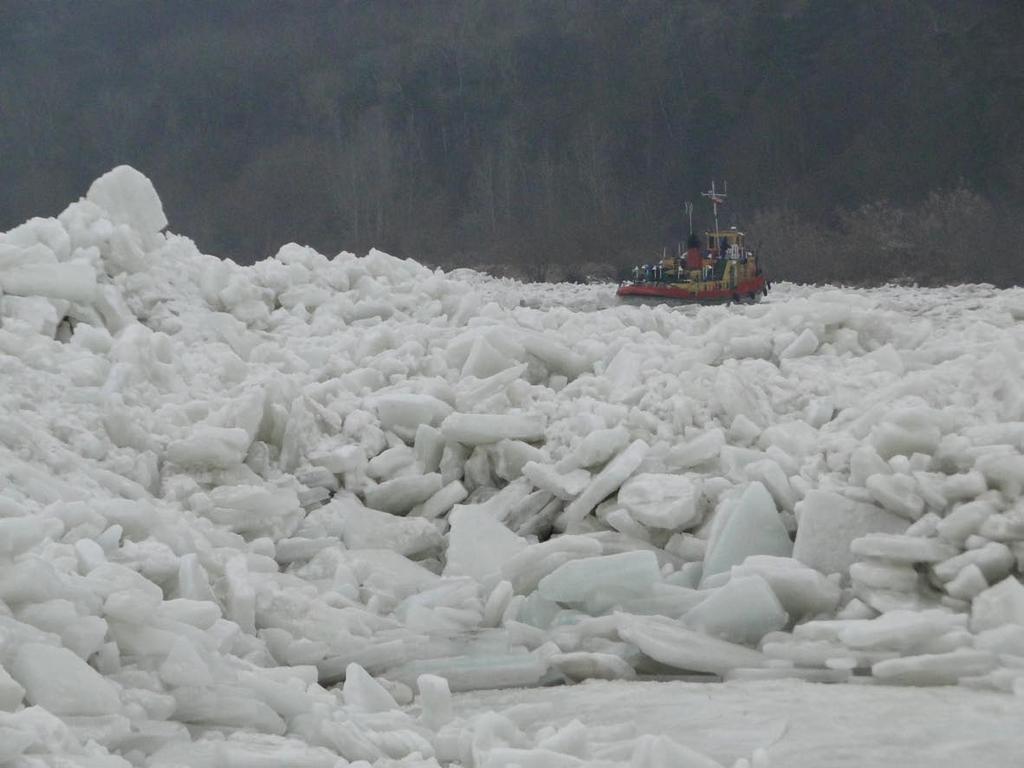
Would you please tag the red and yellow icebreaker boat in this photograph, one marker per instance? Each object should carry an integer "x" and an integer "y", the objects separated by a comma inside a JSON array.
[{"x": 724, "y": 271}]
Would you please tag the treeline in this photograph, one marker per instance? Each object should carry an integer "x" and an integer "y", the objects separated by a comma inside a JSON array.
[
  {"x": 950, "y": 236},
  {"x": 550, "y": 138}
]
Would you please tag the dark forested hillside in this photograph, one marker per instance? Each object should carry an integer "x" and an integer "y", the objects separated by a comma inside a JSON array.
[{"x": 853, "y": 133}]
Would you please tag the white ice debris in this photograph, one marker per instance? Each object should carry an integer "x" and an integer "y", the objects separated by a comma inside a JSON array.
[
  {"x": 276, "y": 514},
  {"x": 607, "y": 481}
]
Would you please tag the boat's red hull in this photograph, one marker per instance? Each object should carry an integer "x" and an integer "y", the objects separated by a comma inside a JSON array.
[{"x": 696, "y": 293}]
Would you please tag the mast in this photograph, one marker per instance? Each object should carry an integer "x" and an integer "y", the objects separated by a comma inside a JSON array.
[{"x": 716, "y": 198}]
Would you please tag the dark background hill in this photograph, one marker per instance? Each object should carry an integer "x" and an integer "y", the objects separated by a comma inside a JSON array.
[{"x": 861, "y": 139}]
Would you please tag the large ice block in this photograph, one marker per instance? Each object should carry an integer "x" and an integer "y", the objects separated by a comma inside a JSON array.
[
  {"x": 673, "y": 644},
  {"x": 803, "y": 591},
  {"x": 610, "y": 576},
  {"x": 564, "y": 486},
  {"x": 596, "y": 447},
  {"x": 484, "y": 428},
  {"x": 479, "y": 545},
  {"x": 1000, "y": 604},
  {"x": 753, "y": 528},
  {"x": 743, "y": 611},
  {"x": 828, "y": 523},
  {"x": 366, "y": 528},
  {"x": 363, "y": 693},
  {"x": 128, "y": 197},
  {"x": 662, "y": 501},
  {"x": 410, "y": 410},
  {"x": 934, "y": 668},
  {"x": 470, "y": 673},
  {"x": 698, "y": 450},
  {"x": 58, "y": 680},
  {"x": 403, "y": 493}
]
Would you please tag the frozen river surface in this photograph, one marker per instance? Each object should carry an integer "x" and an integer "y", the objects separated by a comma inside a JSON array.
[{"x": 315, "y": 511}]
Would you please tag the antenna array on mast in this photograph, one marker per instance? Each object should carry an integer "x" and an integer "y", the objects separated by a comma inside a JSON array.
[{"x": 716, "y": 197}]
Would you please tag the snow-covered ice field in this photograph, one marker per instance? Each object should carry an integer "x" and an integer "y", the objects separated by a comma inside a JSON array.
[
  {"x": 799, "y": 725},
  {"x": 319, "y": 511}
]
